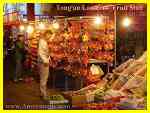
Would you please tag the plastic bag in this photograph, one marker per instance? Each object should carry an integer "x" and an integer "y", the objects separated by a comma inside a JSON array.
[{"x": 96, "y": 70}]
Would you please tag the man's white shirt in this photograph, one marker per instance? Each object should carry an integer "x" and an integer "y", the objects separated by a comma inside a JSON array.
[{"x": 43, "y": 51}]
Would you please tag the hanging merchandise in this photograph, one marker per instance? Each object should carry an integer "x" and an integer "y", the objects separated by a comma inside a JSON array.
[
  {"x": 85, "y": 38},
  {"x": 75, "y": 46},
  {"x": 32, "y": 48},
  {"x": 71, "y": 47}
]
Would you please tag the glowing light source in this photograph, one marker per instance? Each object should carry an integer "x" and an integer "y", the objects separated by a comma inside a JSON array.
[
  {"x": 30, "y": 29},
  {"x": 56, "y": 25},
  {"x": 24, "y": 19},
  {"x": 126, "y": 22},
  {"x": 21, "y": 27},
  {"x": 81, "y": 17},
  {"x": 98, "y": 20}
]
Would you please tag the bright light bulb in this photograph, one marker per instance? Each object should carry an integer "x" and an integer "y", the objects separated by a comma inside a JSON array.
[
  {"x": 126, "y": 22},
  {"x": 30, "y": 29},
  {"x": 24, "y": 19},
  {"x": 21, "y": 27},
  {"x": 98, "y": 20},
  {"x": 56, "y": 25},
  {"x": 81, "y": 17}
]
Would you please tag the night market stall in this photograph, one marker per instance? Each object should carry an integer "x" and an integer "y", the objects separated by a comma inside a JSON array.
[{"x": 86, "y": 59}]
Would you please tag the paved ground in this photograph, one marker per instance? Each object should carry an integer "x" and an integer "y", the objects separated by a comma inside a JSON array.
[{"x": 21, "y": 92}]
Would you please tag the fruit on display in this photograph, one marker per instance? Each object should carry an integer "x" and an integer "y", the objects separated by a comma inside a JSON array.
[
  {"x": 56, "y": 98},
  {"x": 68, "y": 47},
  {"x": 32, "y": 49},
  {"x": 108, "y": 45},
  {"x": 110, "y": 24},
  {"x": 103, "y": 56},
  {"x": 90, "y": 78},
  {"x": 99, "y": 95},
  {"x": 111, "y": 37},
  {"x": 85, "y": 38},
  {"x": 96, "y": 45}
]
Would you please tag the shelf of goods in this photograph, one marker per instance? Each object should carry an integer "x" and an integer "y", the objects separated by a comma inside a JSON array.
[
  {"x": 73, "y": 51},
  {"x": 32, "y": 48}
]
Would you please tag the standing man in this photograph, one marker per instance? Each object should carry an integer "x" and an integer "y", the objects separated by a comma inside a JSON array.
[
  {"x": 44, "y": 58},
  {"x": 19, "y": 57}
]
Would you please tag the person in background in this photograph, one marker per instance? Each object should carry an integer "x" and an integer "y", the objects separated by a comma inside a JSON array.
[
  {"x": 44, "y": 60},
  {"x": 19, "y": 57}
]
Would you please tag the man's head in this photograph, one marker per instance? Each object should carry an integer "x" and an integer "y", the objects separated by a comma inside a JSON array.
[{"x": 20, "y": 37}]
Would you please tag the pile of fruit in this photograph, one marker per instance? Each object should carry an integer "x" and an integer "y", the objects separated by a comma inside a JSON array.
[{"x": 72, "y": 50}]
